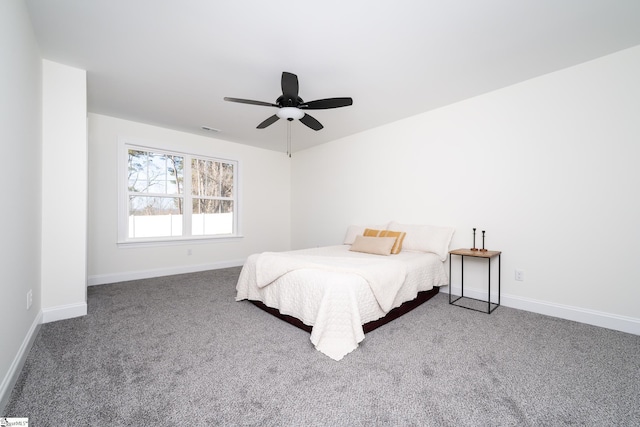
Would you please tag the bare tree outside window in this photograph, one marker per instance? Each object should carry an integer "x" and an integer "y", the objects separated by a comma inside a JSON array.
[{"x": 212, "y": 190}]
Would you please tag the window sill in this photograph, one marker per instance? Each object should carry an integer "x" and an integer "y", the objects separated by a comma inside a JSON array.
[{"x": 178, "y": 241}]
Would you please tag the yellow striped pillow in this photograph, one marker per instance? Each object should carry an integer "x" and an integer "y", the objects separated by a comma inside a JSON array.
[
  {"x": 399, "y": 235},
  {"x": 369, "y": 232}
]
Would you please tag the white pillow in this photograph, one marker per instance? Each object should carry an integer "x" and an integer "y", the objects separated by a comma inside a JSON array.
[
  {"x": 425, "y": 238},
  {"x": 358, "y": 230},
  {"x": 373, "y": 245}
]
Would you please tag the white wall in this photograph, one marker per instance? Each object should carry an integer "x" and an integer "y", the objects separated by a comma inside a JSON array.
[
  {"x": 20, "y": 144},
  {"x": 64, "y": 187},
  {"x": 548, "y": 167},
  {"x": 264, "y": 204}
]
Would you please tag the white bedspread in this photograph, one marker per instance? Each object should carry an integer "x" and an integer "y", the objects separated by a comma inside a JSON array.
[
  {"x": 337, "y": 291},
  {"x": 384, "y": 278}
]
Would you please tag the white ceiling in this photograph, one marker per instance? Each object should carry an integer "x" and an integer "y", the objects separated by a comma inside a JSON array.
[{"x": 171, "y": 62}]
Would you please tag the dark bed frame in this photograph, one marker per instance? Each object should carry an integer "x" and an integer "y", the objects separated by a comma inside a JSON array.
[{"x": 367, "y": 327}]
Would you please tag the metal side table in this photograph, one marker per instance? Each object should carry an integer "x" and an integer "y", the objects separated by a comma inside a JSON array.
[{"x": 478, "y": 253}]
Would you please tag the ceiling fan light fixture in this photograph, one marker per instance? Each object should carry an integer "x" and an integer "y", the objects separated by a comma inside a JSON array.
[{"x": 290, "y": 113}]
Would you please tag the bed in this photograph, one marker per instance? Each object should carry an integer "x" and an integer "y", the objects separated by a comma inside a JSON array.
[{"x": 338, "y": 293}]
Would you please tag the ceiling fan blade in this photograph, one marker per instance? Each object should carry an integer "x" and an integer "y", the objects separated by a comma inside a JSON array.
[
  {"x": 311, "y": 122},
  {"x": 290, "y": 87},
  {"x": 249, "y": 101},
  {"x": 323, "y": 104},
  {"x": 271, "y": 120}
]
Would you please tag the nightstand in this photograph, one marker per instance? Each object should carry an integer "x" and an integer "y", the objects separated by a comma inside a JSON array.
[{"x": 488, "y": 255}]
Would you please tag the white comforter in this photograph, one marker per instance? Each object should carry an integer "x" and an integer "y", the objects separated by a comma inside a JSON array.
[{"x": 337, "y": 291}]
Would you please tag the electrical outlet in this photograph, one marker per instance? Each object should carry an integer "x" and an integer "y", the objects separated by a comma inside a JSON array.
[
  {"x": 29, "y": 299},
  {"x": 189, "y": 252},
  {"x": 519, "y": 275}
]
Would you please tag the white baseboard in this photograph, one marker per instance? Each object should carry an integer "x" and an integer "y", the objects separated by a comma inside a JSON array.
[
  {"x": 103, "y": 279},
  {"x": 62, "y": 312},
  {"x": 9, "y": 381},
  {"x": 616, "y": 322}
]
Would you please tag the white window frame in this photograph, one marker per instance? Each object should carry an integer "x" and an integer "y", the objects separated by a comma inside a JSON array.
[{"x": 124, "y": 145}]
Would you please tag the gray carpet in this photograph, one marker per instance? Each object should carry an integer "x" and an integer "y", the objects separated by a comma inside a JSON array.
[{"x": 180, "y": 351}]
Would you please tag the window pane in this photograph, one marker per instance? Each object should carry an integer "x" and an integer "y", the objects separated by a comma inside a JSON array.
[
  {"x": 203, "y": 177},
  {"x": 226, "y": 183},
  {"x": 137, "y": 170},
  {"x": 175, "y": 170},
  {"x": 211, "y": 178},
  {"x": 156, "y": 173},
  {"x": 212, "y": 217},
  {"x": 155, "y": 216}
]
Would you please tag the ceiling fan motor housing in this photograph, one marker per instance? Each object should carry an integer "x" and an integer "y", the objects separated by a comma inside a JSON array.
[{"x": 288, "y": 102}]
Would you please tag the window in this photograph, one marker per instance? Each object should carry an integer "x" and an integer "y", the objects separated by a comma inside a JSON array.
[{"x": 168, "y": 196}]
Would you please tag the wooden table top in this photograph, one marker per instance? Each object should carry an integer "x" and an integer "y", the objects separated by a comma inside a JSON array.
[{"x": 477, "y": 253}]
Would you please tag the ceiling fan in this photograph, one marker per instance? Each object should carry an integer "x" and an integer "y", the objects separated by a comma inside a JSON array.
[{"x": 291, "y": 106}]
